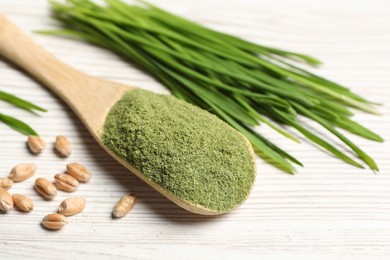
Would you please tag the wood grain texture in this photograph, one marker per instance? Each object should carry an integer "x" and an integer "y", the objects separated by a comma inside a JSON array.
[{"x": 328, "y": 210}]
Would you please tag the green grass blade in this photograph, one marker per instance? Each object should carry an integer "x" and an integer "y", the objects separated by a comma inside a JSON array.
[
  {"x": 359, "y": 152},
  {"x": 18, "y": 102},
  {"x": 321, "y": 142},
  {"x": 358, "y": 129},
  {"x": 17, "y": 125}
]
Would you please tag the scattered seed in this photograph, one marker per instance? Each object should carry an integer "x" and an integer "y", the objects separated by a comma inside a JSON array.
[
  {"x": 36, "y": 144},
  {"x": 5, "y": 183},
  {"x": 63, "y": 146},
  {"x": 24, "y": 203},
  {"x": 71, "y": 206},
  {"x": 78, "y": 171},
  {"x": 124, "y": 205},
  {"x": 54, "y": 221},
  {"x": 45, "y": 188},
  {"x": 6, "y": 202},
  {"x": 22, "y": 172},
  {"x": 66, "y": 182}
]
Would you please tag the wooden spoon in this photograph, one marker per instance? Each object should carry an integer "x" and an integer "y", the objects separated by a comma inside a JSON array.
[{"x": 89, "y": 97}]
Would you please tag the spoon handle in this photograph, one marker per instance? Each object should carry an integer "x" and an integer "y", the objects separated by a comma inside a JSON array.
[
  {"x": 19, "y": 48},
  {"x": 89, "y": 97}
]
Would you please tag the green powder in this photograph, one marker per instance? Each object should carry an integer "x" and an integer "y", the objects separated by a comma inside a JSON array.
[{"x": 186, "y": 150}]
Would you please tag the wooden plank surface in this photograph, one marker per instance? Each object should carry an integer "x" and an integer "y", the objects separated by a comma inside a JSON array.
[{"x": 328, "y": 210}]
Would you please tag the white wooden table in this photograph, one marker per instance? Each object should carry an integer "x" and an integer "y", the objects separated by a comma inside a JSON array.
[{"x": 328, "y": 210}]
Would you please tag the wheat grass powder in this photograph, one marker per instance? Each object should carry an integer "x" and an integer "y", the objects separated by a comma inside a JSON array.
[{"x": 186, "y": 150}]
